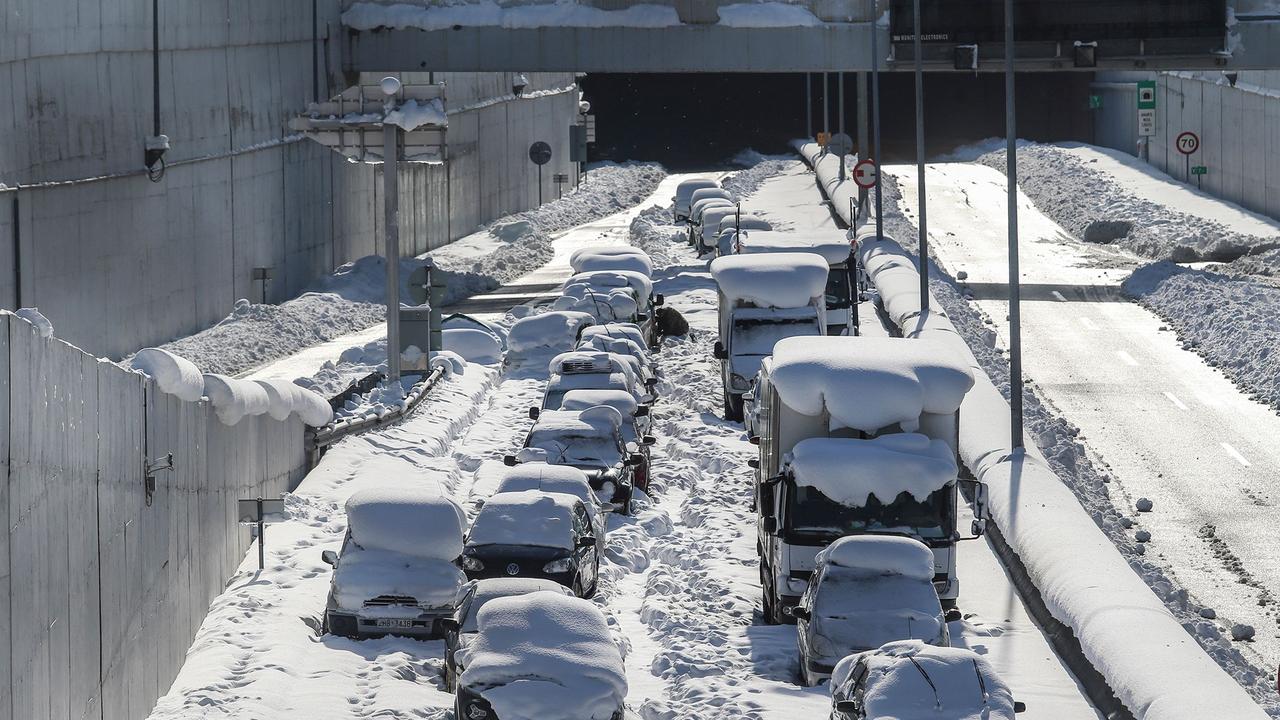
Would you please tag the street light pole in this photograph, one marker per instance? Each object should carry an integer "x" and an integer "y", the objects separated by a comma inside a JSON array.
[
  {"x": 875, "y": 125},
  {"x": 920, "y": 180},
  {"x": 1015, "y": 280},
  {"x": 391, "y": 210}
]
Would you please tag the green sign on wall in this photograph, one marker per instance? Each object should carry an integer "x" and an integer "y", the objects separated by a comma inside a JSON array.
[
  {"x": 1147, "y": 95},
  {"x": 1199, "y": 170}
]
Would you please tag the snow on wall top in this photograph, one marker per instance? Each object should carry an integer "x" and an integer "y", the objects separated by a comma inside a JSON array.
[
  {"x": 173, "y": 374},
  {"x": 896, "y": 688},
  {"x": 832, "y": 246},
  {"x": 413, "y": 114},
  {"x": 487, "y": 13},
  {"x": 850, "y": 471},
  {"x": 868, "y": 383},
  {"x": 408, "y": 520},
  {"x": 529, "y": 517},
  {"x": 556, "y": 329},
  {"x": 782, "y": 280},
  {"x": 544, "y": 656},
  {"x": 880, "y": 554},
  {"x": 767, "y": 15}
]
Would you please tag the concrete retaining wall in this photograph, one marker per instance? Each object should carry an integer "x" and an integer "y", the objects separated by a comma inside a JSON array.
[
  {"x": 101, "y": 591},
  {"x": 118, "y": 262}
]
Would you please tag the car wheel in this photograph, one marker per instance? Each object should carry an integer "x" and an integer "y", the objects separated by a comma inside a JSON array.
[
  {"x": 770, "y": 617},
  {"x": 732, "y": 407},
  {"x": 625, "y": 502},
  {"x": 450, "y": 681}
]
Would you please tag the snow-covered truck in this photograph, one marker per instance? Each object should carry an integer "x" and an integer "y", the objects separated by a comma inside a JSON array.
[
  {"x": 832, "y": 245},
  {"x": 857, "y": 435},
  {"x": 763, "y": 299}
]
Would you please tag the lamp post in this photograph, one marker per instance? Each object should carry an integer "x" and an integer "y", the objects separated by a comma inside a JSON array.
[
  {"x": 391, "y": 212},
  {"x": 1015, "y": 282}
]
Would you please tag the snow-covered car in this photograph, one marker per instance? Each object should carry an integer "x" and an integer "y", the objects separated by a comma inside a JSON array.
[
  {"x": 708, "y": 229},
  {"x": 730, "y": 226},
  {"x": 911, "y": 680},
  {"x": 866, "y": 590},
  {"x": 603, "y": 304},
  {"x": 460, "y": 629},
  {"x": 622, "y": 346},
  {"x": 697, "y": 210},
  {"x": 684, "y": 194},
  {"x": 554, "y": 331},
  {"x": 596, "y": 371},
  {"x": 534, "y": 534},
  {"x": 554, "y": 479},
  {"x": 611, "y": 257},
  {"x": 598, "y": 285},
  {"x": 635, "y": 424},
  {"x": 630, "y": 331},
  {"x": 541, "y": 656},
  {"x": 590, "y": 440},
  {"x": 397, "y": 572}
]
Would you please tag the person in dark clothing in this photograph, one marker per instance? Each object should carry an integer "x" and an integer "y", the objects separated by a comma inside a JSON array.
[{"x": 670, "y": 322}]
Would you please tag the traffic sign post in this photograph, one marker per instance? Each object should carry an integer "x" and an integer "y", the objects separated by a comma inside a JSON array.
[
  {"x": 560, "y": 179},
  {"x": 540, "y": 154},
  {"x": 1187, "y": 143},
  {"x": 1146, "y": 117},
  {"x": 865, "y": 174},
  {"x": 1199, "y": 171}
]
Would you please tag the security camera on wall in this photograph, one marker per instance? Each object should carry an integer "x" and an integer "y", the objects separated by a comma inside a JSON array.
[{"x": 518, "y": 84}]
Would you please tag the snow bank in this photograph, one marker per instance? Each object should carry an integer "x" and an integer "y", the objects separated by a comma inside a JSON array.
[
  {"x": 487, "y": 13},
  {"x": 544, "y": 656},
  {"x": 556, "y": 330},
  {"x": 850, "y": 471},
  {"x": 235, "y": 399},
  {"x": 472, "y": 345},
  {"x": 414, "y": 521},
  {"x": 761, "y": 167},
  {"x": 781, "y": 280},
  {"x": 880, "y": 555},
  {"x": 412, "y": 115},
  {"x": 532, "y": 517},
  {"x": 868, "y": 383},
  {"x": 897, "y": 688},
  {"x": 39, "y": 321},
  {"x": 1152, "y": 663},
  {"x": 364, "y": 574},
  {"x": 832, "y": 246},
  {"x": 173, "y": 374}
]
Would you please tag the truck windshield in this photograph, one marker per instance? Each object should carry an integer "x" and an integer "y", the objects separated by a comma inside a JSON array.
[
  {"x": 809, "y": 512},
  {"x": 757, "y": 336},
  {"x": 839, "y": 289}
]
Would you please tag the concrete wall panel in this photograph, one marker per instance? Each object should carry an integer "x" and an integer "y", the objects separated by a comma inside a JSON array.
[{"x": 6, "y": 628}]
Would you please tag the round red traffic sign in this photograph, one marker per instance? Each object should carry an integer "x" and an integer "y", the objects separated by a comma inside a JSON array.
[
  {"x": 864, "y": 173},
  {"x": 1188, "y": 142}
]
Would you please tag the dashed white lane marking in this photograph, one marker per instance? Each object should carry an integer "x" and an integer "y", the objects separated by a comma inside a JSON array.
[
  {"x": 1127, "y": 358},
  {"x": 1235, "y": 454},
  {"x": 1059, "y": 296},
  {"x": 1174, "y": 399},
  {"x": 1088, "y": 323}
]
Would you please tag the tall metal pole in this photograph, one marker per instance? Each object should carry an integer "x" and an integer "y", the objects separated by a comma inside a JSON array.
[
  {"x": 1015, "y": 280},
  {"x": 840, "y": 100},
  {"x": 808, "y": 105},
  {"x": 861, "y": 122},
  {"x": 920, "y": 182},
  {"x": 875, "y": 125},
  {"x": 826, "y": 111},
  {"x": 391, "y": 207}
]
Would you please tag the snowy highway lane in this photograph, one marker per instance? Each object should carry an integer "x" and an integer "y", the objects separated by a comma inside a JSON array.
[{"x": 1167, "y": 426}]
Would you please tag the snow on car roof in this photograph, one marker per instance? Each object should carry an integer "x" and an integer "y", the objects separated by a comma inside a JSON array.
[
  {"x": 587, "y": 381},
  {"x": 584, "y": 361},
  {"x": 544, "y": 656},
  {"x": 546, "y": 478},
  {"x": 598, "y": 259},
  {"x": 709, "y": 193},
  {"x": 556, "y": 329},
  {"x": 620, "y": 400},
  {"x": 880, "y": 555},
  {"x": 746, "y": 222},
  {"x": 849, "y": 470},
  {"x": 617, "y": 345},
  {"x": 832, "y": 246},
  {"x": 364, "y": 574},
  {"x": 686, "y": 188},
  {"x": 627, "y": 330},
  {"x": 705, "y": 204},
  {"x": 529, "y": 517},
  {"x": 896, "y": 687},
  {"x": 409, "y": 520},
  {"x": 637, "y": 281},
  {"x": 598, "y": 420},
  {"x": 782, "y": 280},
  {"x": 868, "y": 383},
  {"x": 606, "y": 250}
]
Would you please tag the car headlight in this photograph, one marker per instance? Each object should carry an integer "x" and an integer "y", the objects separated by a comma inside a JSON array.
[
  {"x": 471, "y": 563},
  {"x": 737, "y": 382},
  {"x": 557, "y": 566}
]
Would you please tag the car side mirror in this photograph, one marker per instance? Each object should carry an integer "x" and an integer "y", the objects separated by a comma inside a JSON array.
[
  {"x": 586, "y": 541},
  {"x": 534, "y": 413},
  {"x": 846, "y": 706},
  {"x": 953, "y": 615},
  {"x": 648, "y": 440},
  {"x": 649, "y": 383},
  {"x": 769, "y": 524},
  {"x": 978, "y": 527},
  {"x": 754, "y": 439},
  {"x": 1019, "y": 707},
  {"x": 754, "y": 463},
  {"x": 659, "y": 300},
  {"x": 641, "y": 411},
  {"x": 718, "y": 351},
  {"x": 635, "y": 460},
  {"x": 509, "y": 460},
  {"x": 801, "y": 613},
  {"x": 329, "y": 557},
  {"x": 449, "y": 624}
]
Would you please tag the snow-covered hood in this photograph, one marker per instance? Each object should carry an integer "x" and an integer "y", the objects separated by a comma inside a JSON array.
[
  {"x": 895, "y": 687},
  {"x": 363, "y": 575}
]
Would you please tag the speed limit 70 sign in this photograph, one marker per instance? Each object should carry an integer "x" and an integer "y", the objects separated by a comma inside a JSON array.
[{"x": 1188, "y": 142}]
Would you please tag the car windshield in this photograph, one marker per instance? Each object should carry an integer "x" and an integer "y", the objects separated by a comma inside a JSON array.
[
  {"x": 839, "y": 289},
  {"x": 757, "y": 336},
  {"x": 592, "y": 451},
  {"x": 812, "y": 513}
]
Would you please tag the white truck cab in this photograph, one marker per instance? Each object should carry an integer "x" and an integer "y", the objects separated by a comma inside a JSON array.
[
  {"x": 835, "y": 247},
  {"x": 856, "y": 435},
  {"x": 763, "y": 299}
]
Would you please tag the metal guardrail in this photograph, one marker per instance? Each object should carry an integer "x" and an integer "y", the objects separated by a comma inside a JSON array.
[{"x": 319, "y": 439}]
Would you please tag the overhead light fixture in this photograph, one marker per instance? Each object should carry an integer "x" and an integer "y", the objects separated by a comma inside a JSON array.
[{"x": 1086, "y": 54}]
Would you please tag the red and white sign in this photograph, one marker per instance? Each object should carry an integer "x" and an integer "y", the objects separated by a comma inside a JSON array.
[
  {"x": 1188, "y": 142},
  {"x": 864, "y": 173}
]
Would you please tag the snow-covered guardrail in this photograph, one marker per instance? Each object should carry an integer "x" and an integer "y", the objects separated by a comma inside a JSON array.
[
  {"x": 322, "y": 437},
  {"x": 1151, "y": 663}
]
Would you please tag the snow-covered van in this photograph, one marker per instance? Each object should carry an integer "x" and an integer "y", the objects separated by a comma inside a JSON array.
[
  {"x": 867, "y": 590},
  {"x": 763, "y": 298},
  {"x": 708, "y": 229},
  {"x": 833, "y": 246},
  {"x": 733, "y": 224},
  {"x": 695, "y": 213},
  {"x": 397, "y": 572},
  {"x": 684, "y": 195},
  {"x": 857, "y": 435},
  {"x": 611, "y": 257}
]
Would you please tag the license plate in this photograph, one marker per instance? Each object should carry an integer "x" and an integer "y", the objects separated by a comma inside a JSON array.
[{"x": 393, "y": 623}]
